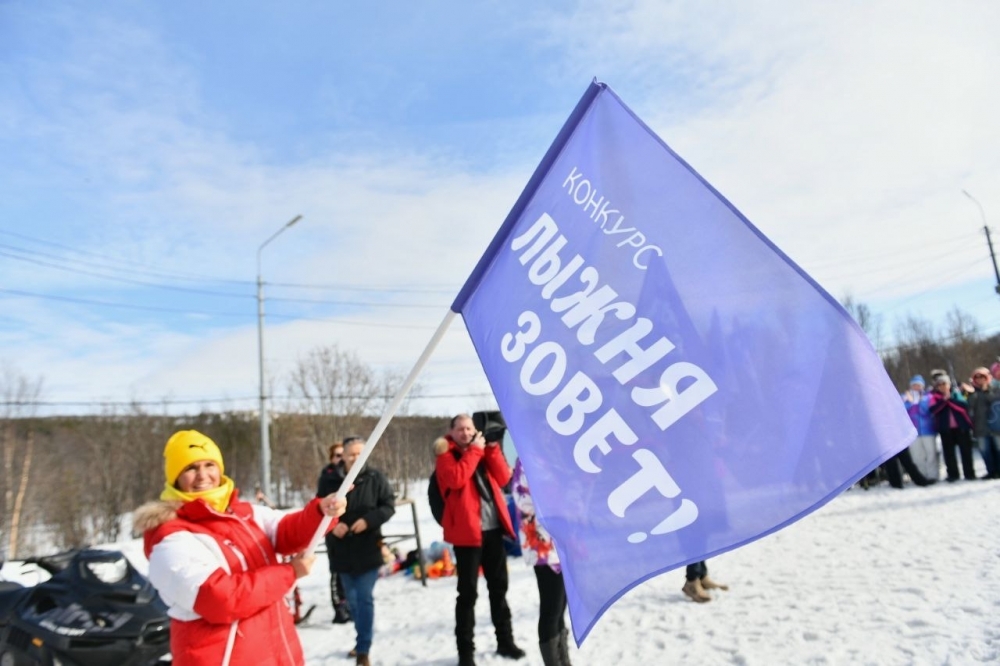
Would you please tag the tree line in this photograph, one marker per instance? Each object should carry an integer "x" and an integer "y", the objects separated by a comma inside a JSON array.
[{"x": 957, "y": 347}]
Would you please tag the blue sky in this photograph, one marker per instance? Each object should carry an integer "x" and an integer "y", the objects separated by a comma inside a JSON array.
[{"x": 162, "y": 143}]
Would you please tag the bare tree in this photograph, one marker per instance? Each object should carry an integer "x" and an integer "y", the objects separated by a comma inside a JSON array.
[
  {"x": 338, "y": 395},
  {"x": 869, "y": 322},
  {"x": 19, "y": 396}
]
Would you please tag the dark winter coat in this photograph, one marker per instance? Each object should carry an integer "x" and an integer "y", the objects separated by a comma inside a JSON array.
[
  {"x": 462, "y": 519},
  {"x": 372, "y": 499},
  {"x": 979, "y": 409},
  {"x": 330, "y": 479},
  {"x": 943, "y": 407}
]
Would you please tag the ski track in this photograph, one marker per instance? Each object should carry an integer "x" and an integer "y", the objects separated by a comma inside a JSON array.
[{"x": 875, "y": 577}]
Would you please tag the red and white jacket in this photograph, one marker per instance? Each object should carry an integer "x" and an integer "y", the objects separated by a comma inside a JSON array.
[{"x": 220, "y": 576}]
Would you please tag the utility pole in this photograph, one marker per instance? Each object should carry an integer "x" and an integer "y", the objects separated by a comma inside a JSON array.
[
  {"x": 265, "y": 436},
  {"x": 989, "y": 241}
]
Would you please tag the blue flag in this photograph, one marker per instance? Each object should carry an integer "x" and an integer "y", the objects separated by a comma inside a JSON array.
[{"x": 674, "y": 384}]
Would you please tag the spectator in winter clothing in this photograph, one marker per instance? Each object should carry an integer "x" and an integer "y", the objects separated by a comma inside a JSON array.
[
  {"x": 329, "y": 482},
  {"x": 470, "y": 472},
  {"x": 923, "y": 451},
  {"x": 980, "y": 403},
  {"x": 950, "y": 411},
  {"x": 355, "y": 548},
  {"x": 924, "y": 448},
  {"x": 214, "y": 560},
  {"x": 539, "y": 552}
]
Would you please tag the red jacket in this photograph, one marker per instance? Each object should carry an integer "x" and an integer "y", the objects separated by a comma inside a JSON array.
[
  {"x": 220, "y": 575},
  {"x": 462, "y": 523}
]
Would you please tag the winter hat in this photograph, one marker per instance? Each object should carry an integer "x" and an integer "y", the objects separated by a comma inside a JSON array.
[
  {"x": 994, "y": 368},
  {"x": 185, "y": 447},
  {"x": 918, "y": 379}
]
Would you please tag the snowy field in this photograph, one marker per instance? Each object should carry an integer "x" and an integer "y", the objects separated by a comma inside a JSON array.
[{"x": 882, "y": 576}]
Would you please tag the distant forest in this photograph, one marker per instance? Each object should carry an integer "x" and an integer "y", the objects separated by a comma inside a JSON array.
[{"x": 69, "y": 481}]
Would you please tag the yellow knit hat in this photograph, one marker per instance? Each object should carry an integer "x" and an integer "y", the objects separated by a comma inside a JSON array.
[{"x": 185, "y": 447}]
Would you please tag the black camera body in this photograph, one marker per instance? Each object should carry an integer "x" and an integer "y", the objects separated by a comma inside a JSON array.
[{"x": 491, "y": 424}]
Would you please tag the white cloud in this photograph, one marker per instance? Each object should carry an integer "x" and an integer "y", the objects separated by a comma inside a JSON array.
[
  {"x": 835, "y": 128},
  {"x": 840, "y": 130}
]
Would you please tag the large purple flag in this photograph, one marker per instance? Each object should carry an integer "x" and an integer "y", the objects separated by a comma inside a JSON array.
[{"x": 674, "y": 384}]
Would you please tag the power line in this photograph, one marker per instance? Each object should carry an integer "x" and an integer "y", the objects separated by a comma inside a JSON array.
[
  {"x": 896, "y": 266},
  {"x": 143, "y": 269},
  {"x": 195, "y": 313},
  {"x": 115, "y": 278},
  {"x": 208, "y": 292},
  {"x": 199, "y": 401},
  {"x": 959, "y": 272},
  {"x": 896, "y": 250}
]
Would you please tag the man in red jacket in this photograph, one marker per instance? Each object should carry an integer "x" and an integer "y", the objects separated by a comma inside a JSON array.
[{"x": 470, "y": 472}]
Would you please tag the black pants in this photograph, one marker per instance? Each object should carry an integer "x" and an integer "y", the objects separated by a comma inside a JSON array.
[
  {"x": 951, "y": 438},
  {"x": 338, "y": 598},
  {"x": 696, "y": 570},
  {"x": 551, "y": 603},
  {"x": 493, "y": 558},
  {"x": 903, "y": 458}
]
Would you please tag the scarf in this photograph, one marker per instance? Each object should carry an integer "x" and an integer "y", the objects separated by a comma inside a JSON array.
[{"x": 217, "y": 498}]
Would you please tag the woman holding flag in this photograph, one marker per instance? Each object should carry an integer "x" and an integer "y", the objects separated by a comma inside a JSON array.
[{"x": 214, "y": 560}]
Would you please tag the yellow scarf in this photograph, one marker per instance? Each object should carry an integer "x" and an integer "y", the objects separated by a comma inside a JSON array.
[{"x": 217, "y": 498}]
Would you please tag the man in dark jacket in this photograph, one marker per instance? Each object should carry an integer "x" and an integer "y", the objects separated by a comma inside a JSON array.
[
  {"x": 356, "y": 547},
  {"x": 329, "y": 481},
  {"x": 470, "y": 472}
]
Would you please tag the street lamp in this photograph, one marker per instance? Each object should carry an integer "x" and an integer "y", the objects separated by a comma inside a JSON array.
[
  {"x": 265, "y": 438},
  {"x": 989, "y": 241}
]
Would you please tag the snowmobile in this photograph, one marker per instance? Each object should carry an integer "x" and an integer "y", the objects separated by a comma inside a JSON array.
[{"x": 95, "y": 610}]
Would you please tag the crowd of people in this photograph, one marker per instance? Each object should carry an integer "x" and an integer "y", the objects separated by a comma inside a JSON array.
[
  {"x": 224, "y": 566},
  {"x": 963, "y": 416}
]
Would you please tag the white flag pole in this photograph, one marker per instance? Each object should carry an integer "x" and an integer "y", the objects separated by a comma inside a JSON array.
[{"x": 383, "y": 423}]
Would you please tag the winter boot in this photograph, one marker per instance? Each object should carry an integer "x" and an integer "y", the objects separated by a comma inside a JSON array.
[
  {"x": 508, "y": 648},
  {"x": 709, "y": 584},
  {"x": 695, "y": 591},
  {"x": 466, "y": 659},
  {"x": 363, "y": 660},
  {"x": 341, "y": 613},
  {"x": 564, "y": 648},
  {"x": 550, "y": 652}
]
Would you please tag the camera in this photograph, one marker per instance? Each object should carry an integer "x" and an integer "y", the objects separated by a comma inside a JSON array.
[{"x": 491, "y": 424}]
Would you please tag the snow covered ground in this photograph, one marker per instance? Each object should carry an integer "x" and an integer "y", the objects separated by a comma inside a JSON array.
[{"x": 881, "y": 576}]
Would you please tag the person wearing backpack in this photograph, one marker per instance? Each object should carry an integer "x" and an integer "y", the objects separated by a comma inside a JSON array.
[{"x": 470, "y": 473}]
